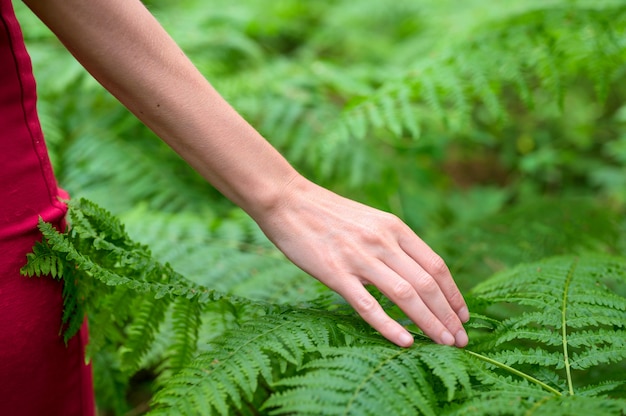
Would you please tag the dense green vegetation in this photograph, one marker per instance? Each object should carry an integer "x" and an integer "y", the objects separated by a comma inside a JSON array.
[{"x": 497, "y": 131}]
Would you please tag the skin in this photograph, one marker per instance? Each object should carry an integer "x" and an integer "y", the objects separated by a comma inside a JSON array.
[{"x": 342, "y": 243}]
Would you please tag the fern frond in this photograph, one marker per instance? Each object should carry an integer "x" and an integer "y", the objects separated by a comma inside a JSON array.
[
  {"x": 310, "y": 361},
  {"x": 373, "y": 379},
  {"x": 98, "y": 255},
  {"x": 509, "y": 393},
  {"x": 602, "y": 387},
  {"x": 148, "y": 315},
  {"x": 449, "y": 368},
  {"x": 535, "y": 356},
  {"x": 124, "y": 261},
  {"x": 597, "y": 337},
  {"x": 577, "y": 405},
  {"x": 229, "y": 254},
  {"x": 91, "y": 154},
  {"x": 110, "y": 382},
  {"x": 525, "y": 233},
  {"x": 42, "y": 261},
  {"x": 109, "y": 309},
  {"x": 186, "y": 321},
  {"x": 569, "y": 317},
  {"x": 45, "y": 261},
  {"x": 227, "y": 376},
  {"x": 516, "y": 399},
  {"x": 89, "y": 219},
  {"x": 595, "y": 356},
  {"x": 534, "y": 52}
]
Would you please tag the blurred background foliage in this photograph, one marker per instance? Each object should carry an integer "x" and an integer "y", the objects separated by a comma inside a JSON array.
[
  {"x": 496, "y": 130},
  {"x": 485, "y": 127}
]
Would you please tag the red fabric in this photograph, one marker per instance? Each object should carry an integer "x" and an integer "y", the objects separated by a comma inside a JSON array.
[{"x": 39, "y": 374}]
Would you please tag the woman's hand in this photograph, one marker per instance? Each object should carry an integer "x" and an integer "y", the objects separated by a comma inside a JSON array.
[{"x": 346, "y": 245}]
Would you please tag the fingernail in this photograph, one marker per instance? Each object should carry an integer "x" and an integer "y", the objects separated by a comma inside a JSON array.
[
  {"x": 447, "y": 338},
  {"x": 463, "y": 314},
  {"x": 405, "y": 339},
  {"x": 461, "y": 339}
]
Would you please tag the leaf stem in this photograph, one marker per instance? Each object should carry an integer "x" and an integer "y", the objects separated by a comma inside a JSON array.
[
  {"x": 514, "y": 371},
  {"x": 568, "y": 372}
]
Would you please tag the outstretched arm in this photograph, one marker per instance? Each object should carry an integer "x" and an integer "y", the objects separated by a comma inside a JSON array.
[{"x": 342, "y": 243}]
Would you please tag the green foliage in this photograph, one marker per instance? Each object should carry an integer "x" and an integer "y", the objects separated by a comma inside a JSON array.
[
  {"x": 567, "y": 319},
  {"x": 245, "y": 360},
  {"x": 99, "y": 248},
  {"x": 496, "y": 130},
  {"x": 543, "y": 336},
  {"x": 526, "y": 232},
  {"x": 342, "y": 87},
  {"x": 370, "y": 379},
  {"x": 228, "y": 253}
]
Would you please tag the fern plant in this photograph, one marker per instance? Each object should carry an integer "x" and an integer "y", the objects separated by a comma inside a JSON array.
[
  {"x": 370, "y": 98},
  {"x": 127, "y": 293},
  {"x": 407, "y": 80},
  {"x": 567, "y": 320},
  {"x": 496, "y": 59},
  {"x": 543, "y": 334}
]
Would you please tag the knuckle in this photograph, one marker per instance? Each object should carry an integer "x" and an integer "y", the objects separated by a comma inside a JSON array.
[
  {"x": 365, "y": 305},
  {"x": 456, "y": 299},
  {"x": 402, "y": 291},
  {"x": 438, "y": 266},
  {"x": 373, "y": 237},
  {"x": 428, "y": 326},
  {"x": 393, "y": 223},
  {"x": 427, "y": 285},
  {"x": 451, "y": 321},
  {"x": 377, "y": 231},
  {"x": 385, "y": 222}
]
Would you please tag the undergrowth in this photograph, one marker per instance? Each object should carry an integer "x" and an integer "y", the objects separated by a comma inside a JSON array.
[
  {"x": 547, "y": 337},
  {"x": 496, "y": 130}
]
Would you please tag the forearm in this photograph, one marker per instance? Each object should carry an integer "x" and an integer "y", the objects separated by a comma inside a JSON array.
[
  {"x": 340, "y": 242},
  {"x": 121, "y": 44}
]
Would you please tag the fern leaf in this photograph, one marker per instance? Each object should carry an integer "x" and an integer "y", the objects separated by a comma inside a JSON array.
[
  {"x": 372, "y": 379},
  {"x": 73, "y": 309},
  {"x": 594, "y": 356},
  {"x": 357, "y": 124},
  {"x": 408, "y": 113},
  {"x": 449, "y": 368},
  {"x": 228, "y": 375},
  {"x": 535, "y": 356},
  {"x": 109, "y": 310},
  {"x": 186, "y": 320},
  {"x": 498, "y": 394},
  {"x": 92, "y": 153},
  {"x": 511, "y": 404},
  {"x": 614, "y": 337},
  {"x": 524, "y": 333},
  {"x": 42, "y": 261},
  {"x": 603, "y": 387},
  {"x": 391, "y": 116},
  {"x": 575, "y": 405},
  {"x": 90, "y": 219},
  {"x": 230, "y": 255},
  {"x": 577, "y": 311},
  {"x": 147, "y": 317}
]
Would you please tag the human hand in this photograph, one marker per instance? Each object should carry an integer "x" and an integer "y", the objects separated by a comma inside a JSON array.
[{"x": 347, "y": 245}]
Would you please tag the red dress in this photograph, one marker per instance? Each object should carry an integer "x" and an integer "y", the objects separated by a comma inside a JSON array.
[{"x": 39, "y": 374}]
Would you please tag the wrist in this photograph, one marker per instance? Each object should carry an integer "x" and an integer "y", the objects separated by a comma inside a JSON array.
[{"x": 267, "y": 202}]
